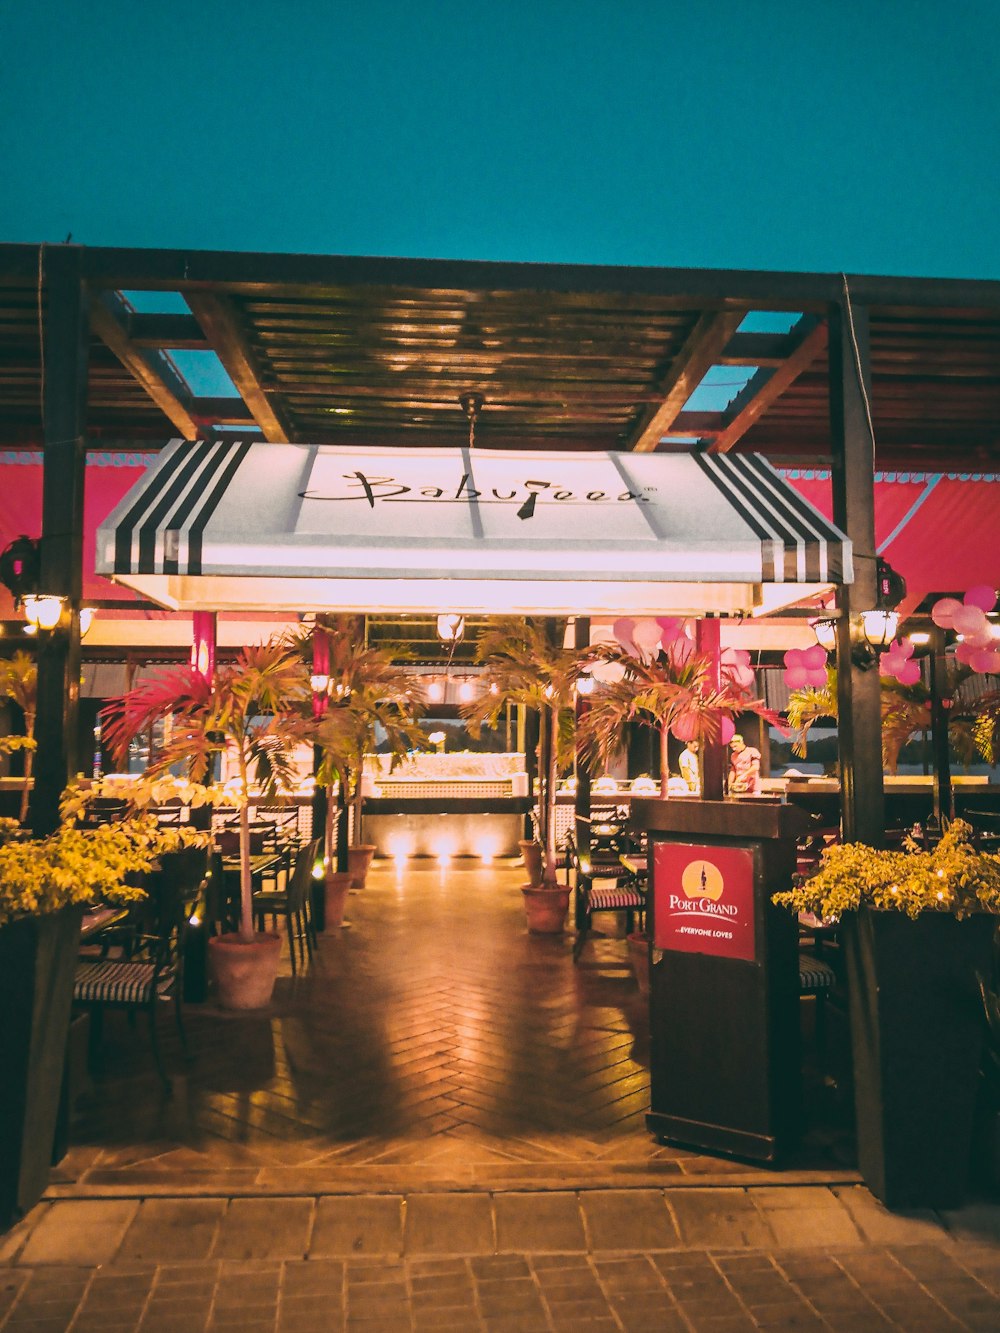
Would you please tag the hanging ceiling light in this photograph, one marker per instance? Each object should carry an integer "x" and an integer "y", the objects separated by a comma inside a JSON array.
[{"x": 450, "y": 627}]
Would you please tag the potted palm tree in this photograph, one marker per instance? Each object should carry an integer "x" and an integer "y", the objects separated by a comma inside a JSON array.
[
  {"x": 361, "y": 698},
  {"x": 917, "y": 928},
  {"x": 19, "y": 682},
  {"x": 250, "y": 707},
  {"x": 524, "y": 663}
]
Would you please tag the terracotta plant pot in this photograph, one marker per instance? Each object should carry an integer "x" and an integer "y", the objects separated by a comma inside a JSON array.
[
  {"x": 531, "y": 855},
  {"x": 638, "y": 956},
  {"x": 546, "y": 908},
  {"x": 359, "y": 861},
  {"x": 244, "y": 972},
  {"x": 338, "y": 886}
]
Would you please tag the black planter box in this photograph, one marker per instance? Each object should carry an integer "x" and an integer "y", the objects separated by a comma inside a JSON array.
[
  {"x": 917, "y": 1035},
  {"x": 37, "y": 965}
]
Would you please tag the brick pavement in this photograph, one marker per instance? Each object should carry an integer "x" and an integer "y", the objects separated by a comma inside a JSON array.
[{"x": 693, "y": 1259}]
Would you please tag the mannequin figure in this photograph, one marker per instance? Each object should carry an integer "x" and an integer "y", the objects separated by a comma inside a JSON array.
[
  {"x": 744, "y": 768},
  {"x": 688, "y": 764}
]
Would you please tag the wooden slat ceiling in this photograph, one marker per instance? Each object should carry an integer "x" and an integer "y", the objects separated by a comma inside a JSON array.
[{"x": 559, "y": 364}]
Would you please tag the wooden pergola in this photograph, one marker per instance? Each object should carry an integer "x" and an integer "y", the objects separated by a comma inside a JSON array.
[{"x": 898, "y": 373}]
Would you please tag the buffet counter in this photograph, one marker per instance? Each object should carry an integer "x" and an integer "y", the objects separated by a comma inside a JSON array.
[{"x": 442, "y": 805}]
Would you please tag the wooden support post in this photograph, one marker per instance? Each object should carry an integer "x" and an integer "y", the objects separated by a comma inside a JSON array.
[
  {"x": 713, "y": 753},
  {"x": 859, "y": 702},
  {"x": 944, "y": 803},
  {"x": 64, "y": 358}
]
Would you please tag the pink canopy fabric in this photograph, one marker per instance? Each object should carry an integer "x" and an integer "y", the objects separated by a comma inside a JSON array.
[{"x": 937, "y": 529}]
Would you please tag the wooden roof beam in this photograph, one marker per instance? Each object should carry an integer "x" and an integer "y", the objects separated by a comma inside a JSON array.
[
  {"x": 221, "y": 324},
  {"x": 109, "y": 320},
  {"x": 810, "y": 338},
  {"x": 756, "y": 349},
  {"x": 700, "y": 352},
  {"x": 181, "y": 331}
]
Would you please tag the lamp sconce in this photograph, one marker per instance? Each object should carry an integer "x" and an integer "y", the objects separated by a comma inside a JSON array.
[
  {"x": 871, "y": 633},
  {"x": 47, "y": 612}
]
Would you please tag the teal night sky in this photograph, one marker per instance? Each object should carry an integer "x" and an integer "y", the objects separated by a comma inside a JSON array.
[{"x": 838, "y": 134}]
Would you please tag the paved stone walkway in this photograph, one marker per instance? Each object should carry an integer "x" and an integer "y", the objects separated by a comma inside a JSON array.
[{"x": 658, "y": 1260}]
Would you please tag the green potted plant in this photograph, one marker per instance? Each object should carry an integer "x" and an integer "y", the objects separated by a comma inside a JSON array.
[
  {"x": 361, "y": 698},
  {"x": 248, "y": 707},
  {"x": 19, "y": 682},
  {"x": 44, "y": 886},
  {"x": 524, "y": 663},
  {"x": 917, "y": 929}
]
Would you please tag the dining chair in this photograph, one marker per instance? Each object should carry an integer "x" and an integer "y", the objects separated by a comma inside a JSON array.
[
  {"x": 604, "y": 882},
  {"x": 146, "y": 968},
  {"x": 294, "y": 904}
]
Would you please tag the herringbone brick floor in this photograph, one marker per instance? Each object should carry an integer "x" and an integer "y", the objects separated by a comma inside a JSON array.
[{"x": 434, "y": 1042}]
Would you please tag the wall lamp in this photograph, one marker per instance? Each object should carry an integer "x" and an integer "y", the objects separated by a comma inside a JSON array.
[
  {"x": 47, "y": 612},
  {"x": 871, "y": 633}
]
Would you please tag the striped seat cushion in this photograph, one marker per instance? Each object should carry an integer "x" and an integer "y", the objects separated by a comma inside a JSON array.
[
  {"x": 604, "y": 900},
  {"x": 814, "y": 974},
  {"x": 112, "y": 982}
]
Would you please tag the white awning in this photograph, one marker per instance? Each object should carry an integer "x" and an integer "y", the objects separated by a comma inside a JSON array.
[{"x": 237, "y": 525}]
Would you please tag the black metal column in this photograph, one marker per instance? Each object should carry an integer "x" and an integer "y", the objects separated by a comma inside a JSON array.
[
  {"x": 859, "y": 706},
  {"x": 64, "y": 361},
  {"x": 940, "y": 702}
]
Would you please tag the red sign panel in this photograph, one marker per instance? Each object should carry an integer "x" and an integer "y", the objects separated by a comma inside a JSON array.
[{"x": 704, "y": 899}]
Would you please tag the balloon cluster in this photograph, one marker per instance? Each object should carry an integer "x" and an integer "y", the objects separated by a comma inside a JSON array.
[
  {"x": 897, "y": 661},
  {"x": 968, "y": 618},
  {"x": 668, "y": 635},
  {"x": 805, "y": 667}
]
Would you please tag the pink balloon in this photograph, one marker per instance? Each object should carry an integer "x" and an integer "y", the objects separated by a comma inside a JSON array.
[
  {"x": 814, "y": 658},
  {"x": 680, "y": 651},
  {"x": 793, "y": 659},
  {"x": 795, "y": 677},
  {"x": 646, "y": 635},
  {"x": 727, "y": 730},
  {"x": 964, "y": 652},
  {"x": 908, "y": 673},
  {"x": 741, "y": 676},
  {"x": 622, "y": 630},
  {"x": 671, "y": 627},
  {"x": 969, "y": 620},
  {"x": 983, "y": 596},
  {"x": 943, "y": 611},
  {"x": 983, "y": 659},
  {"x": 816, "y": 679},
  {"x": 687, "y": 727},
  {"x": 902, "y": 648}
]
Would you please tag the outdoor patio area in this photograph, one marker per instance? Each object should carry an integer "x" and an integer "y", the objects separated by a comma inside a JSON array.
[{"x": 433, "y": 1043}]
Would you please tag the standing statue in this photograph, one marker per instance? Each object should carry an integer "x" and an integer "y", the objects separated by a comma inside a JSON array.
[{"x": 744, "y": 768}]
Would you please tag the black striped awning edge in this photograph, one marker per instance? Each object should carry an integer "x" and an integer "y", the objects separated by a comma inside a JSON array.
[
  {"x": 798, "y": 545},
  {"x": 190, "y": 484}
]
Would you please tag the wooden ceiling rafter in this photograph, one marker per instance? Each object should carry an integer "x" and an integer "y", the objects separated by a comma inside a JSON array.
[
  {"x": 220, "y": 321},
  {"x": 701, "y": 350},
  {"x": 762, "y": 389},
  {"x": 150, "y": 368}
]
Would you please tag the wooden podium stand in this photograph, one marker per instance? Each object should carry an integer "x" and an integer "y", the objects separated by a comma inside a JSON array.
[{"x": 724, "y": 1024}]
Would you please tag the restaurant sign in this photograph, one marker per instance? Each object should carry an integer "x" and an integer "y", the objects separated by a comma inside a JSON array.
[{"x": 704, "y": 899}]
